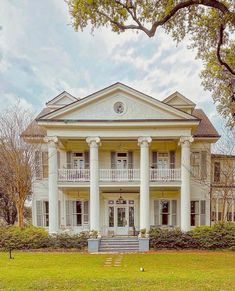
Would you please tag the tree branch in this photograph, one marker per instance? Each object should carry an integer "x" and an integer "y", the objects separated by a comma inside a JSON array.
[{"x": 220, "y": 43}]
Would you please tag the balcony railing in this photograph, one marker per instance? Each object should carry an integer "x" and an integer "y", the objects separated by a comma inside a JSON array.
[
  {"x": 74, "y": 175},
  {"x": 119, "y": 175},
  {"x": 116, "y": 175},
  {"x": 165, "y": 175}
]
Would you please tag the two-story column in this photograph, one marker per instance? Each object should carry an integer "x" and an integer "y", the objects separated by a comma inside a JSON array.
[
  {"x": 185, "y": 182},
  {"x": 52, "y": 184},
  {"x": 94, "y": 183},
  {"x": 144, "y": 182}
]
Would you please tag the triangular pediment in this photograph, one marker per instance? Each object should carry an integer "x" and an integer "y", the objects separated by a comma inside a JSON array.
[
  {"x": 178, "y": 99},
  {"x": 61, "y": 100},
  {"x": 103, "y": 104}
]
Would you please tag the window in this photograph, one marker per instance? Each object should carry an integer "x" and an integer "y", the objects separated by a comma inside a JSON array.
[
  {"x": 78, "y": 161},
  {"x": 111, "y": 216},
  {"x": 122, "y": 160},
  {"x": 163, "y": 161},
  {"x": 217, "y": 172},
  {"x": 77, "y": 213},
  {"x": 131, "y": 216},
  {"x": 213, "y": 210},
  {"x": 42, "y": 212},
  {"x": 195, "y": 164},
  {"x": 194, "y": 213},
  {"x": 41, "y": 165},
  {"x": 165, "y": 212},
  {"x": 198, "y": 213}
]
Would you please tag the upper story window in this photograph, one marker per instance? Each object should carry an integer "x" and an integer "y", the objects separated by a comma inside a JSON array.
[
  {"x": 216, "y": 172},
  {"x": 195, "y": 164},
  {"x": 78, "y": 161},
  {"x": 41, "y": 165}
]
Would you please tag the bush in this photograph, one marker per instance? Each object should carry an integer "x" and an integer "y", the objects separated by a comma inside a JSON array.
[
  {"x": 219, "y": 236},
  {"x": 36, "y": 238},
  {"x": 171, "y": 239}
]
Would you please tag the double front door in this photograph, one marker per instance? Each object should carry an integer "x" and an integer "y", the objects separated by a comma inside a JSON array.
[{"x": 121, "y": 217}]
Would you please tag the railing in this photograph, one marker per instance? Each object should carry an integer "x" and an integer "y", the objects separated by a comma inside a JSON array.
[
  {"x": 165, "y": 175},
  {"x": 116, "y": 175},
  {"x": 74, "y": 175}
]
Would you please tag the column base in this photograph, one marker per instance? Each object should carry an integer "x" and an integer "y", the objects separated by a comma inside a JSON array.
[
  {"x": 143, "y": 244},
  {"x": 93, "y": 245}
]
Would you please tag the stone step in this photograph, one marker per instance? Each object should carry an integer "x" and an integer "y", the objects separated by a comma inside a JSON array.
[{"x": 119, "y": 243}]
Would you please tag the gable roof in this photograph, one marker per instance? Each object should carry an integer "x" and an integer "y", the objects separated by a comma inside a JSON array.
[
  {"x": 112, "y": 88},
  {"x": 61, "y": 96},
  {"x": 179, "y": 96}
]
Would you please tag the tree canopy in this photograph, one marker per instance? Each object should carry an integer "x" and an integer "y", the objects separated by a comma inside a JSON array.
[{"x": 210, "y": 25}]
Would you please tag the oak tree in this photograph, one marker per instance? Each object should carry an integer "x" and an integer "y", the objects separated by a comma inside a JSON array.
[{"x": 209, "y": 24}]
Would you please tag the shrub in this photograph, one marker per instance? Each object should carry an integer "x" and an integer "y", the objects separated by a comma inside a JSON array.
[
  {"x": 36, "y": 238},
  {"x": 76, "y": 241},
  {"x": 171, "y": 239},
  {"x": 219, "y": 236}
]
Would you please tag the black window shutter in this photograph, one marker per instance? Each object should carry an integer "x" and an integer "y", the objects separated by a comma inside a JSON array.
[
  {"x": 69, "y": 160},
  {"x": 172, "y": 159},
  {"x": 87, "y": 159},
  {"x": 154, "y": 160},
  {"x": 130, "y": 160},
  {"x": 113, "y": 160}
]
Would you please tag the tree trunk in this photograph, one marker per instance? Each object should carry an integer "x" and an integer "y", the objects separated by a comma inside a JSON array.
[{"x": 20, "y": 212}]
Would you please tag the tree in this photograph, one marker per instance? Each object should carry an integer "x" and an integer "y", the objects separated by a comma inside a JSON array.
[
  {"x": 209, "y": 24},
  {"x": 17, "y": 163}
]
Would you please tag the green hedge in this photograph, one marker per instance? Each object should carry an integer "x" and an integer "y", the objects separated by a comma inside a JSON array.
[
  {"x": 219, "y": 236},
  {"x": 36, "y": 238}
]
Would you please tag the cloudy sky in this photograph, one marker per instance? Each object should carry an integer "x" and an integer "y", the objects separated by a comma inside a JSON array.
[{"x": 41, "y": 55}]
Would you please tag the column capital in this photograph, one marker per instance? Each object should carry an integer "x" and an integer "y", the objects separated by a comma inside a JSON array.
[
  {"x": 51, "y": 140},
  {"x": 186, "y": 140},
  {"x": 93, "y": 141},
  {"x": 144, "y": 140}
]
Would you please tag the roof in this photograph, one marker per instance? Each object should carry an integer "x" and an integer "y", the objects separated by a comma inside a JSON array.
[
  {"x": 35, "y": 130},
  {"x": 205, "y": 128},
  {"x": 112, "y": 88},
  {"x": 176, "y": 94},
  {"x": 222, "y": 156}
]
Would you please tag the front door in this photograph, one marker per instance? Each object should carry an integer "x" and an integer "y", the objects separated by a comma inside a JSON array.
[
  {"x": 121, "y": 217},
  {"x": 122, "y": 223}
]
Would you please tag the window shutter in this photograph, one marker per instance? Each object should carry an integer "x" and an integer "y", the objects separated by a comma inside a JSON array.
[
  {"x": 87, "y": 159},
  {"x": 39, "y": 213},
  {"x": 203, "y": 165},
  {"x": 156, "y": 212},
  {"x": 37, "y": 160},
  {"x": 69, "y": 160},
  {"x": 85, "y": 212},
  {"x": 130, "y": 160},
  {"x": 58, "y": 159},
  {"x": 172, "y": 159},
  {"x": 113, "y": 160},
  {"x": 59, "y": 213},
  {"x": 69, "y": 211},
  {"x": 203, "y": 212},
  {"x": 154, "y": 160},
  {"x": 174, "y": 212}
]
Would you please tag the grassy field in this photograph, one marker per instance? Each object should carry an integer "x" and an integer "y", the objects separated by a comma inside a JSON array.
[{"x": 75, "y": 271}]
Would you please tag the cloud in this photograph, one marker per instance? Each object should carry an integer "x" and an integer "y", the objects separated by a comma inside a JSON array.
[{"x": 41, "y": 55}]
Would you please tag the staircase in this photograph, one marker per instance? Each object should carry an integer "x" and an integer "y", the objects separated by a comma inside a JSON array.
[{"x": 119, "y": 244}]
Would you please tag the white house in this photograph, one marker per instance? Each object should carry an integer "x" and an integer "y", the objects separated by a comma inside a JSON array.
[{"x": 118, "y": 161}]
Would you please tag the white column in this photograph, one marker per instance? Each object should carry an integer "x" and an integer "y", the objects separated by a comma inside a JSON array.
[
  {"x": 185, "y": 182},
  {"x": 144, "y": 182},
  {"x": 94, "y": 183},
  {"x": 52, "y": 184}
]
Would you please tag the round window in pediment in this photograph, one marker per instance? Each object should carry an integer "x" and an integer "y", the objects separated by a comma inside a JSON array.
[{"x": 119, "y": 107}]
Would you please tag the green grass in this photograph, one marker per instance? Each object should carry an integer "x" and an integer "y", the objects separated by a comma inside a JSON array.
[{"x": 75, "y": 271}]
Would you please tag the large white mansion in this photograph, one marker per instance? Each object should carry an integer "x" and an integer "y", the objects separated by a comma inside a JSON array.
[{"x": 118, "y": 161}]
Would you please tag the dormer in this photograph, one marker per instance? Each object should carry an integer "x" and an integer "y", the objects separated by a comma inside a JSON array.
[
  {"x": 61, "y": 100},
  {"x": 179, "y": 101}
]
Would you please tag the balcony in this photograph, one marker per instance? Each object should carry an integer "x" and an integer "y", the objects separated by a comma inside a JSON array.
[{"x": 119, "y": 175}]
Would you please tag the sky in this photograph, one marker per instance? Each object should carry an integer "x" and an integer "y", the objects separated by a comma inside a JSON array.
[{"x": 41, "y": 55}]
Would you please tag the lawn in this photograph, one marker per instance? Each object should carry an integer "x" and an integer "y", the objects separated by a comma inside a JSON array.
[{"x": 75, "y": 271}]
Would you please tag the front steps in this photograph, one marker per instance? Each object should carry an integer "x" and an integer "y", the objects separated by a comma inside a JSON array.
[{"x": 119, "y": 245}]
